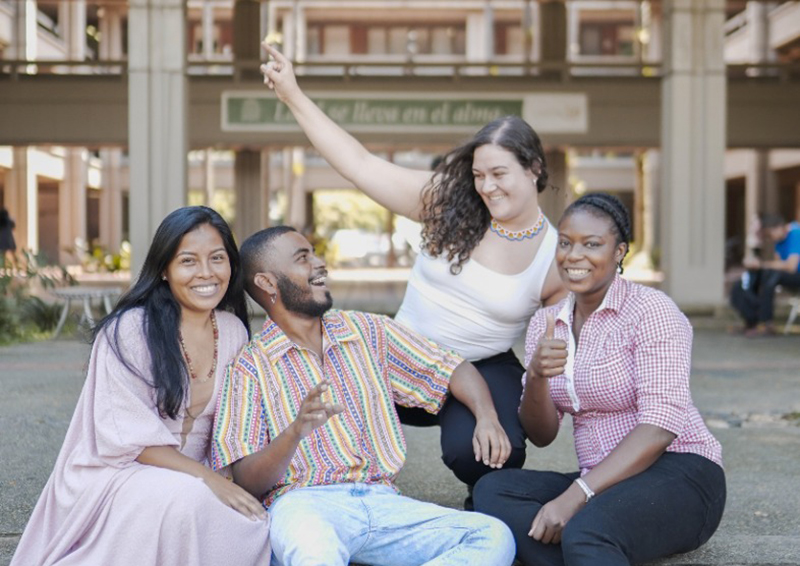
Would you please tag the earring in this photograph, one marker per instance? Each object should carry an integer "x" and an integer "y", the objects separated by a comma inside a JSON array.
[
  {"x": 163, "y": 277},
  {"x": 619, "y": 267},
  {"x": 273, "y": 297}
]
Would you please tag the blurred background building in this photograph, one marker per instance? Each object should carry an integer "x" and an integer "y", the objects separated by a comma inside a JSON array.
[{"x": 115, "y": 112}]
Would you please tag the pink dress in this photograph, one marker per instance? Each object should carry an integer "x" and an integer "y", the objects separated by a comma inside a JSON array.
[{"x": 101, "y": 507}]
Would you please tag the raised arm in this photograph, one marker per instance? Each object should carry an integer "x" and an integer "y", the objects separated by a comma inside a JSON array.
[
  {"x": 537, "y": 412},
  {"x": 397, "y": 188}
]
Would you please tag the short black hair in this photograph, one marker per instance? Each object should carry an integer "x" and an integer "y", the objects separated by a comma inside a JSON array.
[
  {"x": 608, "y": 206},
  {"x": 254, "y": 252}
]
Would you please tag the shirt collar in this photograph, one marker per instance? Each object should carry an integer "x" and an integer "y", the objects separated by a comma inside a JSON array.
[
  {"x": 275, "y": 343},
  {"x": 612, "y": 301}
]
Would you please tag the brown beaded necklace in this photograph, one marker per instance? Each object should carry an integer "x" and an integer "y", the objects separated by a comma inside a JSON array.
[{"x": 213, "y": 369}]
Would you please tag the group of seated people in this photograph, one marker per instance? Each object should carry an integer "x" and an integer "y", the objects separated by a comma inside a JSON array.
[{"x": 196, "y": 442}]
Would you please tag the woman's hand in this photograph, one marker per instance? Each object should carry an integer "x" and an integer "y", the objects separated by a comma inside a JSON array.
[
  {"x": 550, "y": 357},
  {"x": 279, "y": 74},
  {"x": 551, "y": 519},
  {"x": 490, "y": 443},
  {"x": 235, "y": 497}
]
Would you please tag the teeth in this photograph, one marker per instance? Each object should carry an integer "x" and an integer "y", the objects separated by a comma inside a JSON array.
[
  {"x": 206, "y": 289},
  {"x": 319, "y": 280},
  {"x": 577, "y": 271}
]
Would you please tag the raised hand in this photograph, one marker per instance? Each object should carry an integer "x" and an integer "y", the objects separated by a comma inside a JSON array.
[
  {"x": 279, "y": 74},
  {"x": 550, "y": 357},
  {"x": 314, "y": 411}
]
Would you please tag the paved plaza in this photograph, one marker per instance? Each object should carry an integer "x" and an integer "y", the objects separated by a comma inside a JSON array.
[{"x": 748, "y": 391}]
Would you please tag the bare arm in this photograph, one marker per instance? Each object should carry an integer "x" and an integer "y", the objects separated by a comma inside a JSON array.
[
  {"x": 553, "y": 289},
  {"x": 229, "y": 493},
  {"x": 637, "y": 452},
  {"x": 489, "y": 441},
  {"x": 397, "y": 188},
  {"x": 259, "y": 472}
]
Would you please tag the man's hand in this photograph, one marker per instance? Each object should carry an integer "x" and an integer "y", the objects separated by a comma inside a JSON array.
[
  {"x": 314, "y": 412},
  {"x": 490, "y": 442},
  {"x": 550, "y": 357},
  {"x": 279, "y": 74}
]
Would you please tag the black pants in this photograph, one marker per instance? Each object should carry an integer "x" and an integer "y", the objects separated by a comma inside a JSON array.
[
  {"x": 503, "y": 375},
  {"x": 768, "y": 280},
  {"x": 673, "y": 506}
]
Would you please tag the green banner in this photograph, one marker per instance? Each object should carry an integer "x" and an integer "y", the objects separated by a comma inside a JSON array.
[{"x": 242, "y": 111}]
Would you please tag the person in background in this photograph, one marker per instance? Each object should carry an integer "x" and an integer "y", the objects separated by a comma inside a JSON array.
[
  {"x": 486, "y": 262},
  {"x": 766, "y": 276},
  {"x": 307, "y": 422},
  {"x": 131, "y": 484},
  {"x": 8, "y": 247},
  {"x": 616, "y": 356}
]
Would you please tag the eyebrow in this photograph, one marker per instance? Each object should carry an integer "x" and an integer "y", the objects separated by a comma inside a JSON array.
[
  {"x": 301, "y": 251},
  {"x": 187, "y": 252}
]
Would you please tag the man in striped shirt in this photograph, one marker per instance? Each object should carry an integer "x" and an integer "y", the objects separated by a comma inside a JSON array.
[{"x": 306, "y": 420}]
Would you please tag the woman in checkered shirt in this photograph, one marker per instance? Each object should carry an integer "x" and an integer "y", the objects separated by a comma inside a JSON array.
[{"x": 617, "y": 357}]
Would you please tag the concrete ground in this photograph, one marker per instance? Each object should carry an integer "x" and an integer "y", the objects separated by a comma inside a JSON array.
[{"x": 748, "y": 391}]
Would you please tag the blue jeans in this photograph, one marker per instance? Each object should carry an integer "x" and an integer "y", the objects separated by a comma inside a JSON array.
[{"x": 333, "y": 524}]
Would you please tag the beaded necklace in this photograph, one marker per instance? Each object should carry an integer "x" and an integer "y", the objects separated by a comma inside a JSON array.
[
  {"x": 520, "y": 234},
  {"x": 213, "y": 369}
]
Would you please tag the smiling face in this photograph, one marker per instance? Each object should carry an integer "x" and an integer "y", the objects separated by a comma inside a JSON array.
[
  {"x": 199, "y": 273},
  {"x": 301, "y": 276},
  {"x": 506, "y": 187},
  {"x": 588, "y": 253}
]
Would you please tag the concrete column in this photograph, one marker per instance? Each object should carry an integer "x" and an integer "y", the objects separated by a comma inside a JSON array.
[
  {"x": 246, "y": 37},
  {"x": 72, "y": 205},
  {"x": 761, "y": 184},
  {"x": 24, "y": 27},
  {"x": 157, "y": 117},
  {"x": 110, "y": 25},
  {"x": 651, "y": 191},
  {"x": 301, "y": 32},
  {"x": 111, "y": 200},
  {"x": 21, "y": 199},
  {"x": 251, "y": 210},
  {"x": 73, "y": 25},
  {"x": 208, "y": 177},
  {"x": 297, "y": 209},
  {"x": 207, "y": 19},
  {"x": 289, "y": 36},
  {"x": 693, "y": 143},
  {"x": 553, "y": 201},
  {"x": 553, "y": 34},
  {"x": 758, "y": 25},
  {"x": 476, "y": 50}
]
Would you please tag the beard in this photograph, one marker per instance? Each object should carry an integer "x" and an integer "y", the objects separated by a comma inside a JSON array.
[{"x": 300, "y": 301}]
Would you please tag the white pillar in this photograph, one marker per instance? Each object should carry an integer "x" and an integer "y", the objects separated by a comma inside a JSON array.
[
  {"x": 111, "y": 200},
  {"x": 73, "y": 28},
  {"x": 207, "y": 19},
  {"x": 693, "y": 143},
  {"x": 110, "y": 25},
  {"x": 651, "y": 175},
  {"x": 72, "y": 205},
  {"x": 21, "y": 199},
  {"x": 24, "y": 28},
  {"x": 296, "y": 213},
  {"x": 157, "y": 117}
]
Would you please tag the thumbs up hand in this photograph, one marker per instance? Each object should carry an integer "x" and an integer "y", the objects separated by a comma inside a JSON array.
[{"x": 550, "y": 357}]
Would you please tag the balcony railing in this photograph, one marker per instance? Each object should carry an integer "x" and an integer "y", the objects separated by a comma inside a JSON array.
[{"x": 247, "y": 70}]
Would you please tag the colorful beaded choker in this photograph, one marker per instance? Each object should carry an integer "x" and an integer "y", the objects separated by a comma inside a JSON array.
[
  {"x": 213, "y": 369},
  {"x": 519, "y": 235}
]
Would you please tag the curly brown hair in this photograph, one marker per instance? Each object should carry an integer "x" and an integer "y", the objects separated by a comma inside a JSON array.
[{"x": 454, "y": 216}]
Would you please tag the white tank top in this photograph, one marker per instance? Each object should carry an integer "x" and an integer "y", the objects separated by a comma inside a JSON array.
[{"x": 479, "y": 312}]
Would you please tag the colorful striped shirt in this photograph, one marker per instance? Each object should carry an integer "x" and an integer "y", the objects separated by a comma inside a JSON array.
[{"x": 371, "y": 362}]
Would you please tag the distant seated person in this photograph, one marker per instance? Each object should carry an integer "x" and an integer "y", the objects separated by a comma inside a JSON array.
[
  {"x": 307, "y": 421},
  {"x": 765, "y": 276}
]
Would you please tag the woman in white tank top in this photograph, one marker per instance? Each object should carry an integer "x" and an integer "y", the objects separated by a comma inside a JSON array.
[{"x": 487, "y": 252}]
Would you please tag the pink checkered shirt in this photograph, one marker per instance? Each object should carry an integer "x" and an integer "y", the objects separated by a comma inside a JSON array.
[{"x": 631, "y": 367}]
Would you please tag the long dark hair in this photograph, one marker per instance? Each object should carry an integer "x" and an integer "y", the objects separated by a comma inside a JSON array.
[
  {"x": 454, "y": 217},
  {"x": 162, "y": 313}
]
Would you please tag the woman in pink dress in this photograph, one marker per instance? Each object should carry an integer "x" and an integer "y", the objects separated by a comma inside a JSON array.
[{"x": 131, "y": 484}]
